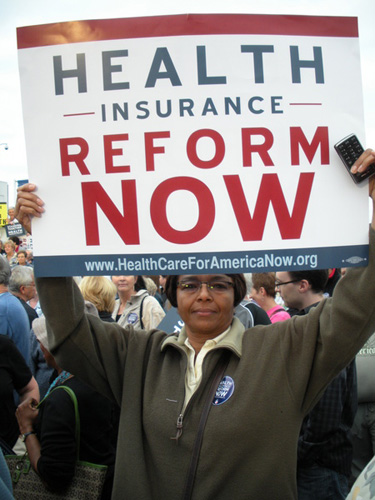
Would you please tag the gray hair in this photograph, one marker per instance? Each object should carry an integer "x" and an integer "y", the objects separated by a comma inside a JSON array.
[
  {"x": 21, "y": 276},
  {"x": 4, "y": 271},
  {"x": 249, "y": 281},
  {"x": 40, "y": 330}
]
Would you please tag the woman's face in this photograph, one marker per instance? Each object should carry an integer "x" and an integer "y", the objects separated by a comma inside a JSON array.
[
  {"x": 205, "y": 311},
  {"x": 21, "y": 259},
  {"x": 124, "y": 283},
  {"x": 8, "y": 249}
]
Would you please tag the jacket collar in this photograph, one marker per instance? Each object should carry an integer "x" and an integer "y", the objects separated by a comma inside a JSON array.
[{"x": 232, "y": 340}]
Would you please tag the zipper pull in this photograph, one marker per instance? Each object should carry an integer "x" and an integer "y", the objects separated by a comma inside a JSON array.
[{"x": 179, "y": 428}]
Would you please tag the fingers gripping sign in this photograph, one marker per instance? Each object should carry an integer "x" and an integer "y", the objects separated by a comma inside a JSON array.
[
  {"x": 28, "y": 205},
  {"x": 361, "y": 165}
]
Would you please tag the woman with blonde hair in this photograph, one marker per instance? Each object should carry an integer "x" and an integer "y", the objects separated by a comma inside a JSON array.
[
  {"x": 101, "y": 292},
  {"x": 10, "y": 253}
]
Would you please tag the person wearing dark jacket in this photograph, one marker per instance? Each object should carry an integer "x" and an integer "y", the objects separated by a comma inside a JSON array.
[
  {"x": 15, "y": 375},
  {"x": 325, "y": 447},
  {"x": 50, "y": 430}
]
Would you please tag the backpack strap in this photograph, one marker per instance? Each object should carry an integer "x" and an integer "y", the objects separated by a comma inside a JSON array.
[
  {"x": 141, "y": 312},
  {"x": 76, "y": 412},
  {"x": 280, "y": 309}
]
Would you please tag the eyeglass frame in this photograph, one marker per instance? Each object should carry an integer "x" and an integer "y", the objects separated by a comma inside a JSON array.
[
  {"x": 286, "y": 283},
  {"x": 209, "y": 285}
]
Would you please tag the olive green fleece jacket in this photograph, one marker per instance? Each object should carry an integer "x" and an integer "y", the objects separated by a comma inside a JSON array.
[{"x": 249, "y": 448}]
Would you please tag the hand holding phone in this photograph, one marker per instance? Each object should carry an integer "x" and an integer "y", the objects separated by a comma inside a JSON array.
[{"x": 349, "y": 150}]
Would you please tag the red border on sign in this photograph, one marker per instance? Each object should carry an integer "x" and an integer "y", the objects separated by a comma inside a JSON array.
[{"x": 186, "y": 24}]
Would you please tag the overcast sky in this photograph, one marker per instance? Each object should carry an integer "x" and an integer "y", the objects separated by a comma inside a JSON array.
[{"x": 16, "y": 13}]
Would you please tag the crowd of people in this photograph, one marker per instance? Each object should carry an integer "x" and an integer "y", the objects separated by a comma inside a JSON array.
[{"x": 256, "y": 397}]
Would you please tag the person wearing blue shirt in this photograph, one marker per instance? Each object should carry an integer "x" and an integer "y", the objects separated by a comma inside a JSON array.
[{"x": 13, "y": 318}]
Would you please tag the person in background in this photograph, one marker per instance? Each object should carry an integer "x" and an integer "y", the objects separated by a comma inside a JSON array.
[
  {"x": 22, "y": 258},
  {"x": 51, "y": 443},
  {"x": 152, "y": 288},
  {"x": 135, "y": 306},
  {"x": 6, "y": 488},
  {"x": 101, "y": 292},
  {"x": 165, "y": 302},
  {"x": 363, "y": 430},
  {"x": 30, "y": 257},
  {"x": 14, "y": 321},
  {"x": 22, "y": 286},
  {"x": 325, "y": 447},
  {"x": 34, "y": 303},
  {"x": 38, "y": 366},
  {"x": 10, "y": 253},
  {"x": 11, "y": 219},
  {"x": 2, "y": 251},
  {"x": 16, "y": 241},
  {"x": 264, "y": 292},
  {"x": 15, "y": 375},
  {"x": 259, "y": 316},
  {"x": 364, "y": 486},
  {"x": 162, "y": 281}
]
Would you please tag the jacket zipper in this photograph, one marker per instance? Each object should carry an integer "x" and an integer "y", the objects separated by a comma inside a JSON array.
[
  {"x": 180, "y": 418},
  {"x": 179, "y": 427}
]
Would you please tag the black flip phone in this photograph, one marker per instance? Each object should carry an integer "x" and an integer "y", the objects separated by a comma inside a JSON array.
[{"x": 349, "y": 150}]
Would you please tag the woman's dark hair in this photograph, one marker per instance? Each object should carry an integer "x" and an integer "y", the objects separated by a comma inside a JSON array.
[
  {"x": 15, "y": 239},
  {"x": 238, "y": 282},
  {"x": 140, "y": 284}
]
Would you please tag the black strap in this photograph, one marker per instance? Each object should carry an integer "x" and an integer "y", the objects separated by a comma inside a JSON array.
[
  {"x": 218, "y": 375},
  {"x": 141, "y": 312},
  {"x": 280, "y": 309}
]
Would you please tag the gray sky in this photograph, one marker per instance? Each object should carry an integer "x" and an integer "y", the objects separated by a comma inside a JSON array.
[{"x": 16, "y": 13}]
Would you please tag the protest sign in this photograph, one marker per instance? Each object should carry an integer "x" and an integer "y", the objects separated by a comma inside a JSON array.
[
  {"x": 14, "y": 230},
  {"x": 193, "y": 143},
  {"x": 3, "y": 214}
]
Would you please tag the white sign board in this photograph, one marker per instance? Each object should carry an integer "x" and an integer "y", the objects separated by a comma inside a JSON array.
[{"x": 193, "y": 143}]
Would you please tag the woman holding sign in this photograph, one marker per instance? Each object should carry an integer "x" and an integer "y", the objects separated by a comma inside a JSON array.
[{"x": 216, "y": 411}]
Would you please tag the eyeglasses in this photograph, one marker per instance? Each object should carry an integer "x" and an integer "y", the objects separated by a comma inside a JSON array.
[
  {"x": 280, "y": 283},
  {"x": 193, "y": 286}
]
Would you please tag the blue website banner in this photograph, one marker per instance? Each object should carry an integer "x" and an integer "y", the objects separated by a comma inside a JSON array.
[{"x": 202, "y": 263}]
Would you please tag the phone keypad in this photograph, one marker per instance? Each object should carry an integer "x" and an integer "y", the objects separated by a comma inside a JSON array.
[{"x": 350, "y": 149}]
